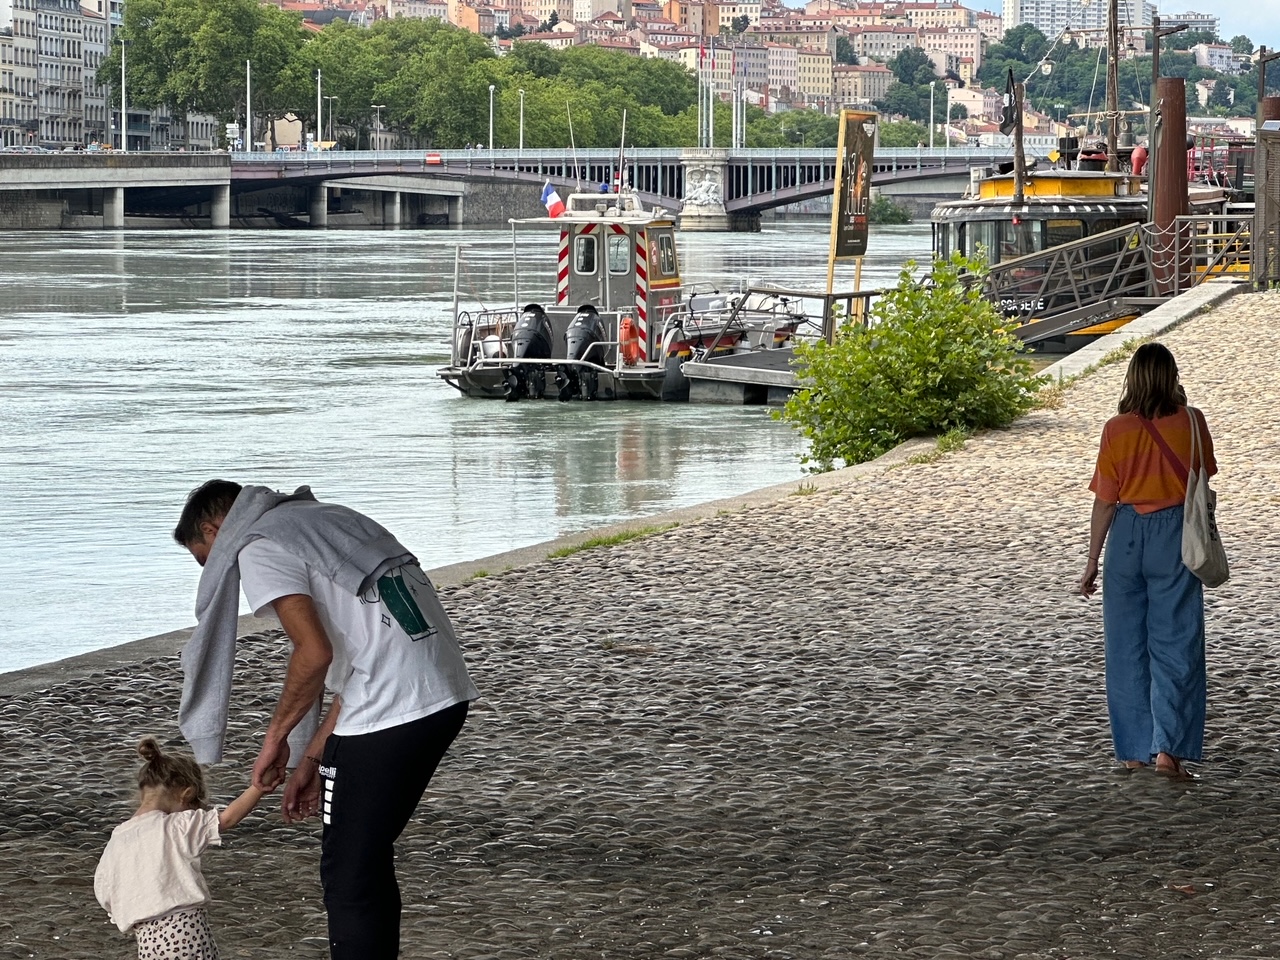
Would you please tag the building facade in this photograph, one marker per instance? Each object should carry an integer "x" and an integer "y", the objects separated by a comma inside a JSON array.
[
  {"x": 861, "y": 84},
  {"x": 18, "y": 21},
  {"x": 60, "y": 68},
  {"x": 1053, "y": 17},
  {"x": 815, "y": 76},
  {"x": 94, "y": 97}
]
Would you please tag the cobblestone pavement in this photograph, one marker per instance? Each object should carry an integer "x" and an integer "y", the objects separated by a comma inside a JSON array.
[{"x": 868, "y": 722}]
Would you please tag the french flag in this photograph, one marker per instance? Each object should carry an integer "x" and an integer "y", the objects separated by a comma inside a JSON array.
[{"x": 551, "y": 200}]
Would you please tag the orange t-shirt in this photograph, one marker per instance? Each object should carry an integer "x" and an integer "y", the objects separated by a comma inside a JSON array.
[{"x": 1132, "y": 469}]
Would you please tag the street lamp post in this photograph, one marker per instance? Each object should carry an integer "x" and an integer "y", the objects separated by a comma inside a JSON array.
[
  {"x": 377, "y": 122},
  {"x": 491, "y": 89},
  {"x": 248, "y": 105},
  {"x": 330, "y": 99},
  {"x": 124, "y": 102},
  {"x": 932, "y": 120},
  {"x": 319, "y": 112},
  {"x": 521, "y": 121}
]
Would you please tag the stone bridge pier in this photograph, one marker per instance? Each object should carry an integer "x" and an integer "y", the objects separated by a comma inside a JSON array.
[{"x": 706, "y": 171}]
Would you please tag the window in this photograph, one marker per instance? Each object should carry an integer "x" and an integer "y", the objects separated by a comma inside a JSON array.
[
  {"x": 1019, "y": 237},
  {"x": 619, "y": 253},
  {"x": 666, "y": 254},
  {"x": 1062, "y": 231},
  {"x": 584, "y": 255}
]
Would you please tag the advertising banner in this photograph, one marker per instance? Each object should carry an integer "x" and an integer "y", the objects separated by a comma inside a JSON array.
[{"x": 852, "y": 198}]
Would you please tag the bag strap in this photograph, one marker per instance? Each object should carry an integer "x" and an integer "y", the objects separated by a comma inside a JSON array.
[{"x": 1178, "y": 468}]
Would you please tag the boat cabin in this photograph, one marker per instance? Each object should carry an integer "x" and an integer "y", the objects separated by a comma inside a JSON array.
[{"x": 1058, "y": 206}]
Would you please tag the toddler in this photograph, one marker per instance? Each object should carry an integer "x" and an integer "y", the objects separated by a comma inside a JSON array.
[{"x": 149, "y": 877}]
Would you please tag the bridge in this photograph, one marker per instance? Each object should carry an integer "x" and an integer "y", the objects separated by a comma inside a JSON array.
[
  {"x": 709, "y": 188},
  {"x": 739, "y": 183}
]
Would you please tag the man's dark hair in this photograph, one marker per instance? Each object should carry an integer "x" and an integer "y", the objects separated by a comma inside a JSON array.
[{"x": 206, "y": 503}]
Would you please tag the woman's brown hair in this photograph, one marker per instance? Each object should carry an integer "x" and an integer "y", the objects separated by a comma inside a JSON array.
[
  {"x": 1151, "y": 387},
  {"x": 173, "y": 772}
]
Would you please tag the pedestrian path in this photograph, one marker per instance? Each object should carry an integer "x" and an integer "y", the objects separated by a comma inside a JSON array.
[{"x": 863, "y": 722}]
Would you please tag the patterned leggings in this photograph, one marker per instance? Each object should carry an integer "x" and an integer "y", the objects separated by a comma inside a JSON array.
[{"x": 181, "y": 935}]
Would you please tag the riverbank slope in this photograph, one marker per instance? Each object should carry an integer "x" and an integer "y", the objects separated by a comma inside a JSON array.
[{"x": 868, "y": 721}]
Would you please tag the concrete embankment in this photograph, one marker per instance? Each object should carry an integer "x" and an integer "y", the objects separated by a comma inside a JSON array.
[{"x": 867, "y": 720}]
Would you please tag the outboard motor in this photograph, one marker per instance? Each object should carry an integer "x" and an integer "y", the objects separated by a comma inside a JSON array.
[
  {"x": 531, "y": 340},
  {"x": 583, "y": 333}
]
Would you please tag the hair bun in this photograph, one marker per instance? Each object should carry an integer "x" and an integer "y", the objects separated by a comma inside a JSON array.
[{"x": 149, "y": 749}]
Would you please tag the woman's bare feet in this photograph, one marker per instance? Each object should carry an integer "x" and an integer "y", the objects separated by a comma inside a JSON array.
[{"x": 1134, "y": 764}]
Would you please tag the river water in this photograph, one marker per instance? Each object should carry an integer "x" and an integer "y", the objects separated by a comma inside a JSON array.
[{"x": 136, "y": 365}]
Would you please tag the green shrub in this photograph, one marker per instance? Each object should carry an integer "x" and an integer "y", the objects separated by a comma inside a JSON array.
[
  {"x": 935, "y": 357},
  {"x": 886, "y": 210}
]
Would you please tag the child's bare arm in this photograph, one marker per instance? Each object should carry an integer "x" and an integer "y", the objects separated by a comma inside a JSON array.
[{"x": 239, "y": 808}]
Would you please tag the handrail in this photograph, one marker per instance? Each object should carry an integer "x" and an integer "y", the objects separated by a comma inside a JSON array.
[{"x": 1075, "y": 285}]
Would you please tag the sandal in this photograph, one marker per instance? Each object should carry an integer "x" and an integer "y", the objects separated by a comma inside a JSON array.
[{"x": 1170, "y": 766}]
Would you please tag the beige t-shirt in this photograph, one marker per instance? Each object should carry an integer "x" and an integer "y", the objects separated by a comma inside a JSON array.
[{"x": 152, "y": 865}]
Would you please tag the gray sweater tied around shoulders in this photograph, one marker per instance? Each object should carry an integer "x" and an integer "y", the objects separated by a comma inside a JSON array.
[{"x": 343, "y": 545}]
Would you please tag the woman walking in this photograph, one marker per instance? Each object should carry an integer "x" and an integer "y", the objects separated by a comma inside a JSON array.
[{"x": 1152, "y": 605}]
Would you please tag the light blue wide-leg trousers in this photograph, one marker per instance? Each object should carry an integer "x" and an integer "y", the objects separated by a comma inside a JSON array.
[{"x": 1153, "y": 621}]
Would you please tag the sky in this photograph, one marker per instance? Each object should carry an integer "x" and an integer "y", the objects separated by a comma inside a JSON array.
[{"x": 1259, "y": 20}]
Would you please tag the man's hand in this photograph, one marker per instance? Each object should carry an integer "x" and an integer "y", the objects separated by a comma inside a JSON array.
[
  {"x": 269, "y": 770},
  {"x": 302, "y": 793}
]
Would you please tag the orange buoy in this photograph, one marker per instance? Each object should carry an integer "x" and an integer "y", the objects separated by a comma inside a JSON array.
[{"x": 629, "y": 342}]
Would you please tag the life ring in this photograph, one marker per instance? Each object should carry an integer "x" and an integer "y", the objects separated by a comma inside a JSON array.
[{"x": 629, "y": 342}]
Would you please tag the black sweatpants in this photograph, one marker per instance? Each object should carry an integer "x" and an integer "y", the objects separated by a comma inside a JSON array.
[{"x": 371, "y": 785}]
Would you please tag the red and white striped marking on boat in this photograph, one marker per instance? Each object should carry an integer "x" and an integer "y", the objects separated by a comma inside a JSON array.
[
  {"x": 642, "y": 289},
  {"x": 562, "y": 269}
]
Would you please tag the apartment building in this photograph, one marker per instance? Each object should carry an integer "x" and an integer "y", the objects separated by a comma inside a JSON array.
[
  {"x": 883, "y": 43},
  {"x": 700, "y": 19},
  {"x": 780, "y": 58},
  {"x": 730, "y": 12},
  {"x": 563, "y": 9},
  {"x": 815, "y": 81},
  {"x": 749, "y": 64},
  {"x": 1217, "y": 56},
  {"x": 980, "y": 104},
  {"x": 1052, "y": 17},
  {"x": 9, "y": 133},
  {"x": 586, "y": 11},
  {"x": 942, "y": 14},
  {"x": 961, "y": 41},
  {"x": 418, "y": 9},
  {"x": 97, "y": 121},
  {"x": 646, "y": 11},
  {"x": 18, "y": 23},
  {"x": 990, "y": 25},
  {"x": 1206, "y": 22},
  {"x": 60, "y": 72},
  {"x": 779, "y": 30},
  {"x": 860, "y": 84}
]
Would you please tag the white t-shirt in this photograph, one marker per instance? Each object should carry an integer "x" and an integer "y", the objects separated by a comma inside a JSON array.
[
  {"x": 395, "y": 657},
  {"x": 152, "y": 865}
]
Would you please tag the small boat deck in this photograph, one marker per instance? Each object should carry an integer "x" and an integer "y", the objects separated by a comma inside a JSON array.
[{"x": 764, "y": 376}]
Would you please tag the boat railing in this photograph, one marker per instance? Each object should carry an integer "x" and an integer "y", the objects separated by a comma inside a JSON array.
[
  {"x": 1116, "y": 273},
  {"x": 1197, "y": 248},
  {"x": 465, "y": 348}
]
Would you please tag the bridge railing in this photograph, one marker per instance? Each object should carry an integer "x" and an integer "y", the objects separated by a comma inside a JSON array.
[{"x": 595, "y": 155}]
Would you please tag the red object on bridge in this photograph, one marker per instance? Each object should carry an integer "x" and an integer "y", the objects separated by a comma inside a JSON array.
[{"x": 432, "y": 158}]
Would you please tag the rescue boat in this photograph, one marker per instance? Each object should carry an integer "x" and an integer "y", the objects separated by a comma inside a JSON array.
[{"x": 623, "y": 322}]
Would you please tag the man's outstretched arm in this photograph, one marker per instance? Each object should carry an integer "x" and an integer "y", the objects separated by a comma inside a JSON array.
[{"x": 303, "y": 684}]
